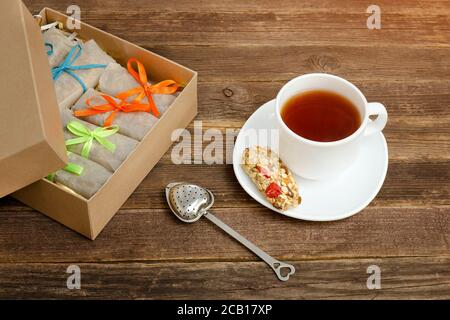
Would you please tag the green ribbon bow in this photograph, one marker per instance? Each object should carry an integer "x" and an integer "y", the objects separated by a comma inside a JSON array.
[
  {"x": 71, "y": 168},
  {"x": 87, "y": 137}
]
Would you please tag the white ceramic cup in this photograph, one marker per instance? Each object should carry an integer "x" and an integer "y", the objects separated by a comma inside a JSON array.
[{"x": 324, "y": 160}]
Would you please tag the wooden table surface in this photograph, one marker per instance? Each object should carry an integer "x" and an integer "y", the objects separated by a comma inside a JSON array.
[{"x": 244, "y": 52}]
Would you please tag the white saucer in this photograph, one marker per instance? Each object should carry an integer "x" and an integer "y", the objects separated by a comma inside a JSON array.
[{"x": 329, "y": 200}]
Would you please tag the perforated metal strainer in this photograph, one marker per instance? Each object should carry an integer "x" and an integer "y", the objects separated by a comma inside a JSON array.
[{"x": 190, "y": 202}]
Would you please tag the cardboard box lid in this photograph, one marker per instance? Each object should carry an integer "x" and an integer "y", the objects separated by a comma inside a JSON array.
[{"x": 31, "y": 137}]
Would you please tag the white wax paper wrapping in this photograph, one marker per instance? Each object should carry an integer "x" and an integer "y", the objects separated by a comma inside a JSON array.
[
  {"x": 98, "y": 153},
  {"x": 132, "y": 124},
  {"x": 61, "y": 45},
  {"x": 116, "y": 79},
  {"x": 89, "y": 182},
  {"x": 68, "y": 89}
]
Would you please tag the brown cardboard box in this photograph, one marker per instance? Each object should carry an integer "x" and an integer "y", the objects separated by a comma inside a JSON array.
[
  {"x": 31, "y": 142},
  {"x": 89, "y": 217}
]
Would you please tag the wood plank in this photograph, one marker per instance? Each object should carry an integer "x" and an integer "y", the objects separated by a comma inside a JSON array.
[
  {"x": 415, "y": 139},
  {"x": 419, "y": 117},
  {"x": 417, "y": 101},
  {"x": 262, "y": 63},
  {"x": 414, "y": 184},
  {"x": 405, "y": 278},
  {"x": 419, "y": 184},
  {"x": 366, "y": 61},
  {"x": 350, "y": 6},
  {"x": 324, "y": 22},
  {"x": 250, "y": 29},
  {"x": 157, "y": 235},
  {"x": 415, "y": 143}
]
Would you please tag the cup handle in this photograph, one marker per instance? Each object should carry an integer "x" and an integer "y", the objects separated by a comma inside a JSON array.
[{"x": 377, "y": 125}]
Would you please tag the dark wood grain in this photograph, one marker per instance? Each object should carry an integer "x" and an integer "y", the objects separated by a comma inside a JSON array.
[
  {"x": 420, "y": 184},
  {"x": 410, "y": 278},
  {"x": 157, "y": 235},
  {"x": 264, "y": 22},
  {"x": 244, "y": 52}
]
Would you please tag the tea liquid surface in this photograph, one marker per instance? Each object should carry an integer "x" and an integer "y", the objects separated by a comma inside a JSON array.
[{"x": 321, "y": 115}]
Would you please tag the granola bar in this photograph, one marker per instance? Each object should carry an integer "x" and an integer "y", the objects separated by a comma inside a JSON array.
[{"x": 271, "y": 176}]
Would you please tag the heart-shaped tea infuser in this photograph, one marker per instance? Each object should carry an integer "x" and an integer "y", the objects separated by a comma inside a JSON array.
[{"x": 190, "y": 202}]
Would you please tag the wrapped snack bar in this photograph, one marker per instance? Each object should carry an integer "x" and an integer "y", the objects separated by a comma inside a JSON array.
[
  {"x": 58, "y": 45},
  {"x": 106, "y": 146},
  {"x": 80, "y": 70},
  {"x": 131, "y": 85},
  {"x": 133, "y": 118},
  {"x": 87, "y": 181}
]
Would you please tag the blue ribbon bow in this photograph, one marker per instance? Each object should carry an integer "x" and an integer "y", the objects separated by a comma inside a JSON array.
[{"x": 67, "y": 67}]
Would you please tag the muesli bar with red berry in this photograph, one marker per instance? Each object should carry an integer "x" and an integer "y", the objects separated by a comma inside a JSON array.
[{"x": 271, "y": 176}]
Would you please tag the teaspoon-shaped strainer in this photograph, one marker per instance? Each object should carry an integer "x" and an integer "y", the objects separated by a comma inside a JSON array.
[{"x": 190, "y": 202}]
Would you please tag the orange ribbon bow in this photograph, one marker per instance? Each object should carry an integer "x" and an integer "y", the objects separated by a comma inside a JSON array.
[
  {"x": 146, "y": 89},
  {"x": 111, "y": 106}
]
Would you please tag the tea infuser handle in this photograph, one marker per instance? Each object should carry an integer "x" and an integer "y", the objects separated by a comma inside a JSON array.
[
  {"x": 377, "y": 125},
  {"x": 276, "y": 265}
]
